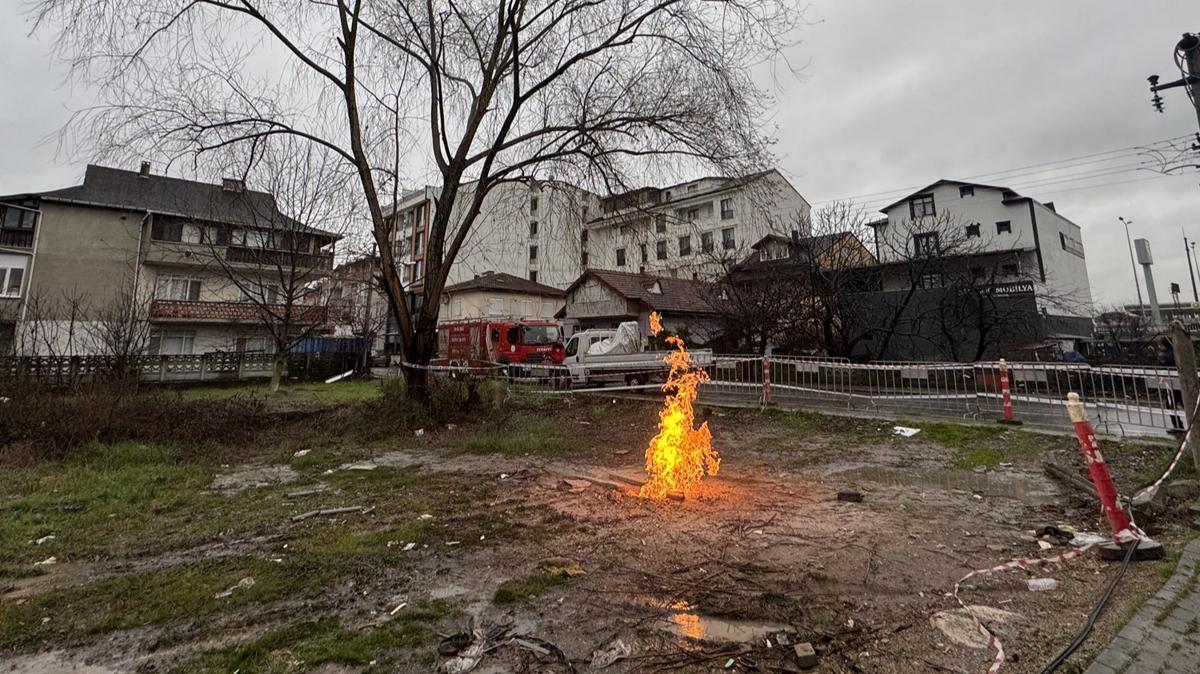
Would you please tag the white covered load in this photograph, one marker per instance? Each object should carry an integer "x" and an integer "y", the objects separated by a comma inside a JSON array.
[{"x": 627, "y": 339}]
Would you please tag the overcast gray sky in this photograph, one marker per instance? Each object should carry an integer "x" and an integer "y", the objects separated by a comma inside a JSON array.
[{"x": 893, "y": 95}]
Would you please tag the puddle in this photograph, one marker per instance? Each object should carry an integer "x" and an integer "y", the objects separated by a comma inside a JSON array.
[{"x": 707, "y": 628}]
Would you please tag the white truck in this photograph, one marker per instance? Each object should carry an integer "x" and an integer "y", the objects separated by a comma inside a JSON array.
[{"x": 613, "y": 356}]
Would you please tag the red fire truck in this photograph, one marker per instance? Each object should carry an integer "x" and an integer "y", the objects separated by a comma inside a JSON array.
[{"x": 475, "y": 341}]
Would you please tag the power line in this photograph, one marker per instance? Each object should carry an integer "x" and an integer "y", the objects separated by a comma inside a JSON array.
[{"x": 1023, "y": 171}]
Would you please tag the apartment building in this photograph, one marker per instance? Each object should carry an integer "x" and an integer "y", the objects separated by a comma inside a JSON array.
[
  {"x": 528, "y": 229},
  {"x": 696, "y": 229},
  {"x": 198, "y": 261},
  {"x": 499, "y": 294},
  {"x": 1012, "y": 245},
  {"x": 356, "y": 303}
]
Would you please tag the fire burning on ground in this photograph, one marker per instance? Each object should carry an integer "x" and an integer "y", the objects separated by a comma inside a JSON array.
[{"x": 680, "y": 455}]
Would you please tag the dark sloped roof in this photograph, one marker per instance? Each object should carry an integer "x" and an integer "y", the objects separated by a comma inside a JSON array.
[
  {"x": 507, "y": 283},
  {"x": 819, "y": 244},
  {"x": 115, "y": 188},
  {"x": 943, "y": 181},
  {"x": 677, "y": 296}
]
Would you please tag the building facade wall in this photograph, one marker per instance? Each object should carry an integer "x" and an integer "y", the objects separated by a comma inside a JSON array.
[
  {"x": 486, "y": 303},
  {"x": 700, "y": 227}
]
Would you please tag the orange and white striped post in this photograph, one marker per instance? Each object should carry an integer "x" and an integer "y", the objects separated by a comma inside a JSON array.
[
  {"x": 766, "y": 390},
  {"x": 1118, "y": 520},
  {"x": 1006, "y": 393}
]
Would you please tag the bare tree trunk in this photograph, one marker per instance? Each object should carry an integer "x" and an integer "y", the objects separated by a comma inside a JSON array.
[{"x": 277, "y": 371}]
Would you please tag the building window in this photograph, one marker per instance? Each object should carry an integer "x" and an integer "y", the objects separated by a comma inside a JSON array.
[
  {"x": 419, "y": 243},
  {"x": 973, "y": 231},
  {"x": 620, "y": 257},
  {"x": 931, "y": 280},
  {"x": 10, "y": 281},
  {"x": 727, "y": 239},
  {"x": 691, "y": 214},
  {"x": 660, "y": 224},
  {"x": 726, "y": 209},
  {"x": 693, "y": 187},
  {"x": 642, "y": 249},
  {"x": 527, "y": 308},
  {"x": 533, "y": 228},
  {"x": 667, "y": 195},
  {"x": 198, "y": 234},
  {"x": 660, "y": 249},
  {"x": 177, "y": 342},
  {"x": 17, "y": 218},
  {"x": 533, "y": 204},
  {"x": 966, "y": 191},
  {"x": 1010, "y": 269},
  {"x": 495, "y": 306},
  {"x": 533, "y": 253},
  {"x": 533, "y": 276},
  {"x": 457, "y": 307},
  {"x": 926, "y": 245},
  {"x": 1062, "y": 240},
  {"x": 583, "y": 259},
  {"x": 921, "y": 206},
  {"x": 264, "y": 294},
  {"x": 547, "y": 309},
  {"x": 583, "y": 235},
  {"x": 251, "y": 345},
  {"x": 706, "y": 242},
  {"x": 685, "y": 246},
  {"x": 1004, "y": 227},
  {"x": 180, "y": 288}
]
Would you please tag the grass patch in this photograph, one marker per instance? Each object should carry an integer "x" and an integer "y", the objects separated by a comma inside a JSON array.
[
  {"x": 520, "y": 435},
  {"x": 513, "y": 591},
  {"x": 346, "y": 391},
  {"x": 983, "y": 445},
  {"x": 312, "y": 644},
  {"x": 182, "y": 593}
]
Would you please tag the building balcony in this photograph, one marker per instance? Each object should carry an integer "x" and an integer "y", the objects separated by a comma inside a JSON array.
[
  {"x": 171, "y": 253},
  {"x": 16, "y": 238},
  {"x": 183, "y": 311}
]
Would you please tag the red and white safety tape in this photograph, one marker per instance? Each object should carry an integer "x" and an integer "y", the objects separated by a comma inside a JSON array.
[
  {"x": 1126, "y": 536},
  {"x": 1147, "y": 494}
]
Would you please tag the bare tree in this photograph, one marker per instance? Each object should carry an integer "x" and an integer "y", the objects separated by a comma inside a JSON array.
[
  {"x": 119, "y": 329},
  {"x": 596, "y": 91}
]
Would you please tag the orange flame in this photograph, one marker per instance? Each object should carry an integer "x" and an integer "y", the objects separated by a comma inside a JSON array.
[{"x": 680, "y": 455}]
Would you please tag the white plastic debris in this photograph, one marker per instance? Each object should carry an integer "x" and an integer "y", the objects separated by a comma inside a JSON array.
[
  {"x": 1082, "y": 538},
  {"x": 47, "y": 561},
  {"x": 4, "y": 400},
  {"x": 44, "y": 539},
  {"x": 425, "y": 516},
  {"x": 419, "y": 432},
  {"x": 409, "y": 546},
  {"x": 339, "y": 377},
  {"x": 1042, "y": 584},
  {"x": 242, "y": 584},
  {"x": 1045, "y": 545},
  {"x": 905, "y": 431},
  {"x": 302, "y": 452},
  {"x": 399, "y": 607}
]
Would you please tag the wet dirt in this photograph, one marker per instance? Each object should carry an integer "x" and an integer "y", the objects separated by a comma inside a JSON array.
[{"x": 763, "y": 548}]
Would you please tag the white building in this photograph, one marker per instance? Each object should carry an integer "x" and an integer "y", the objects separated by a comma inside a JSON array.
[
  {"x": 526, "y": 229},
  {"x": 693, "y": 229},
  {"x": 1020, "y": 246}
]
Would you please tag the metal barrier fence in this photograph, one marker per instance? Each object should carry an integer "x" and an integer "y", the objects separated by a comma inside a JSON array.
[
  {"x": 208, "y": 367},
  {"x": 1124, "y": 400}
]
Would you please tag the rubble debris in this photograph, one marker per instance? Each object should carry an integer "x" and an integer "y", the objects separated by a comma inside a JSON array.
[
  {"x": 409, "y": 546},
  {"x": 960, "y": 628},
  {"x": 530, "y": 646},
  {"x": 905, "y": 431},
  {"x": 419, "y": 432},
  {"x": 1054, "y": 534},
  {"x": 561, "y": 566},
  {"x": 328, "y": 511},
  {"x": 301, "y": 452},
  {"x": 850, "y": 496},
  {"x": 573, "y": 486},
  {"x": 467, "y": 657},
  {"x": 806, "y": 656},
  {"x": 243, "y": 584},
  {"x": 1068, "y": 478},
  {"x": 44, "y": 539},
  {"x": 319, "y": 489},
  {"x": 616, "y": 649},
  {"x": 362, "y": 465},
  {"x": 1082, "y": 538},
  {"x": 454, "y": 644},
  {"x": 47, "y": 561},
  {"x": 1042, "y": 584}
]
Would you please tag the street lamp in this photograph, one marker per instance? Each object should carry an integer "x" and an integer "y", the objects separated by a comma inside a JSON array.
[{"x": 1137, "y": 284}]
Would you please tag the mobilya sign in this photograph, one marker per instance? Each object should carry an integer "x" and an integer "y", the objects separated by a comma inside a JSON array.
[{"x": 1012, "y": 289}]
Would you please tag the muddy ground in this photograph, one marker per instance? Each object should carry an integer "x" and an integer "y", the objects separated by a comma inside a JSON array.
[{"x": 456, "y": 525}]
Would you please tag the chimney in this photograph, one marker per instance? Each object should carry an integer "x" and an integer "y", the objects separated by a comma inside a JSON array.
[
  {"x": 145, "y": 172},
  {"x": 233, "y": 185}
]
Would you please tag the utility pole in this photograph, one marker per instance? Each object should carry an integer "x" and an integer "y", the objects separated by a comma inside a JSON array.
[
  {"x": 1197, "y": 264},
  {"x": 1186, "y": 250},
  {"x": 1147, "y": 260},
  {"x": 1136, "y": 284},
  {"x": 1187, "y": 59}
]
